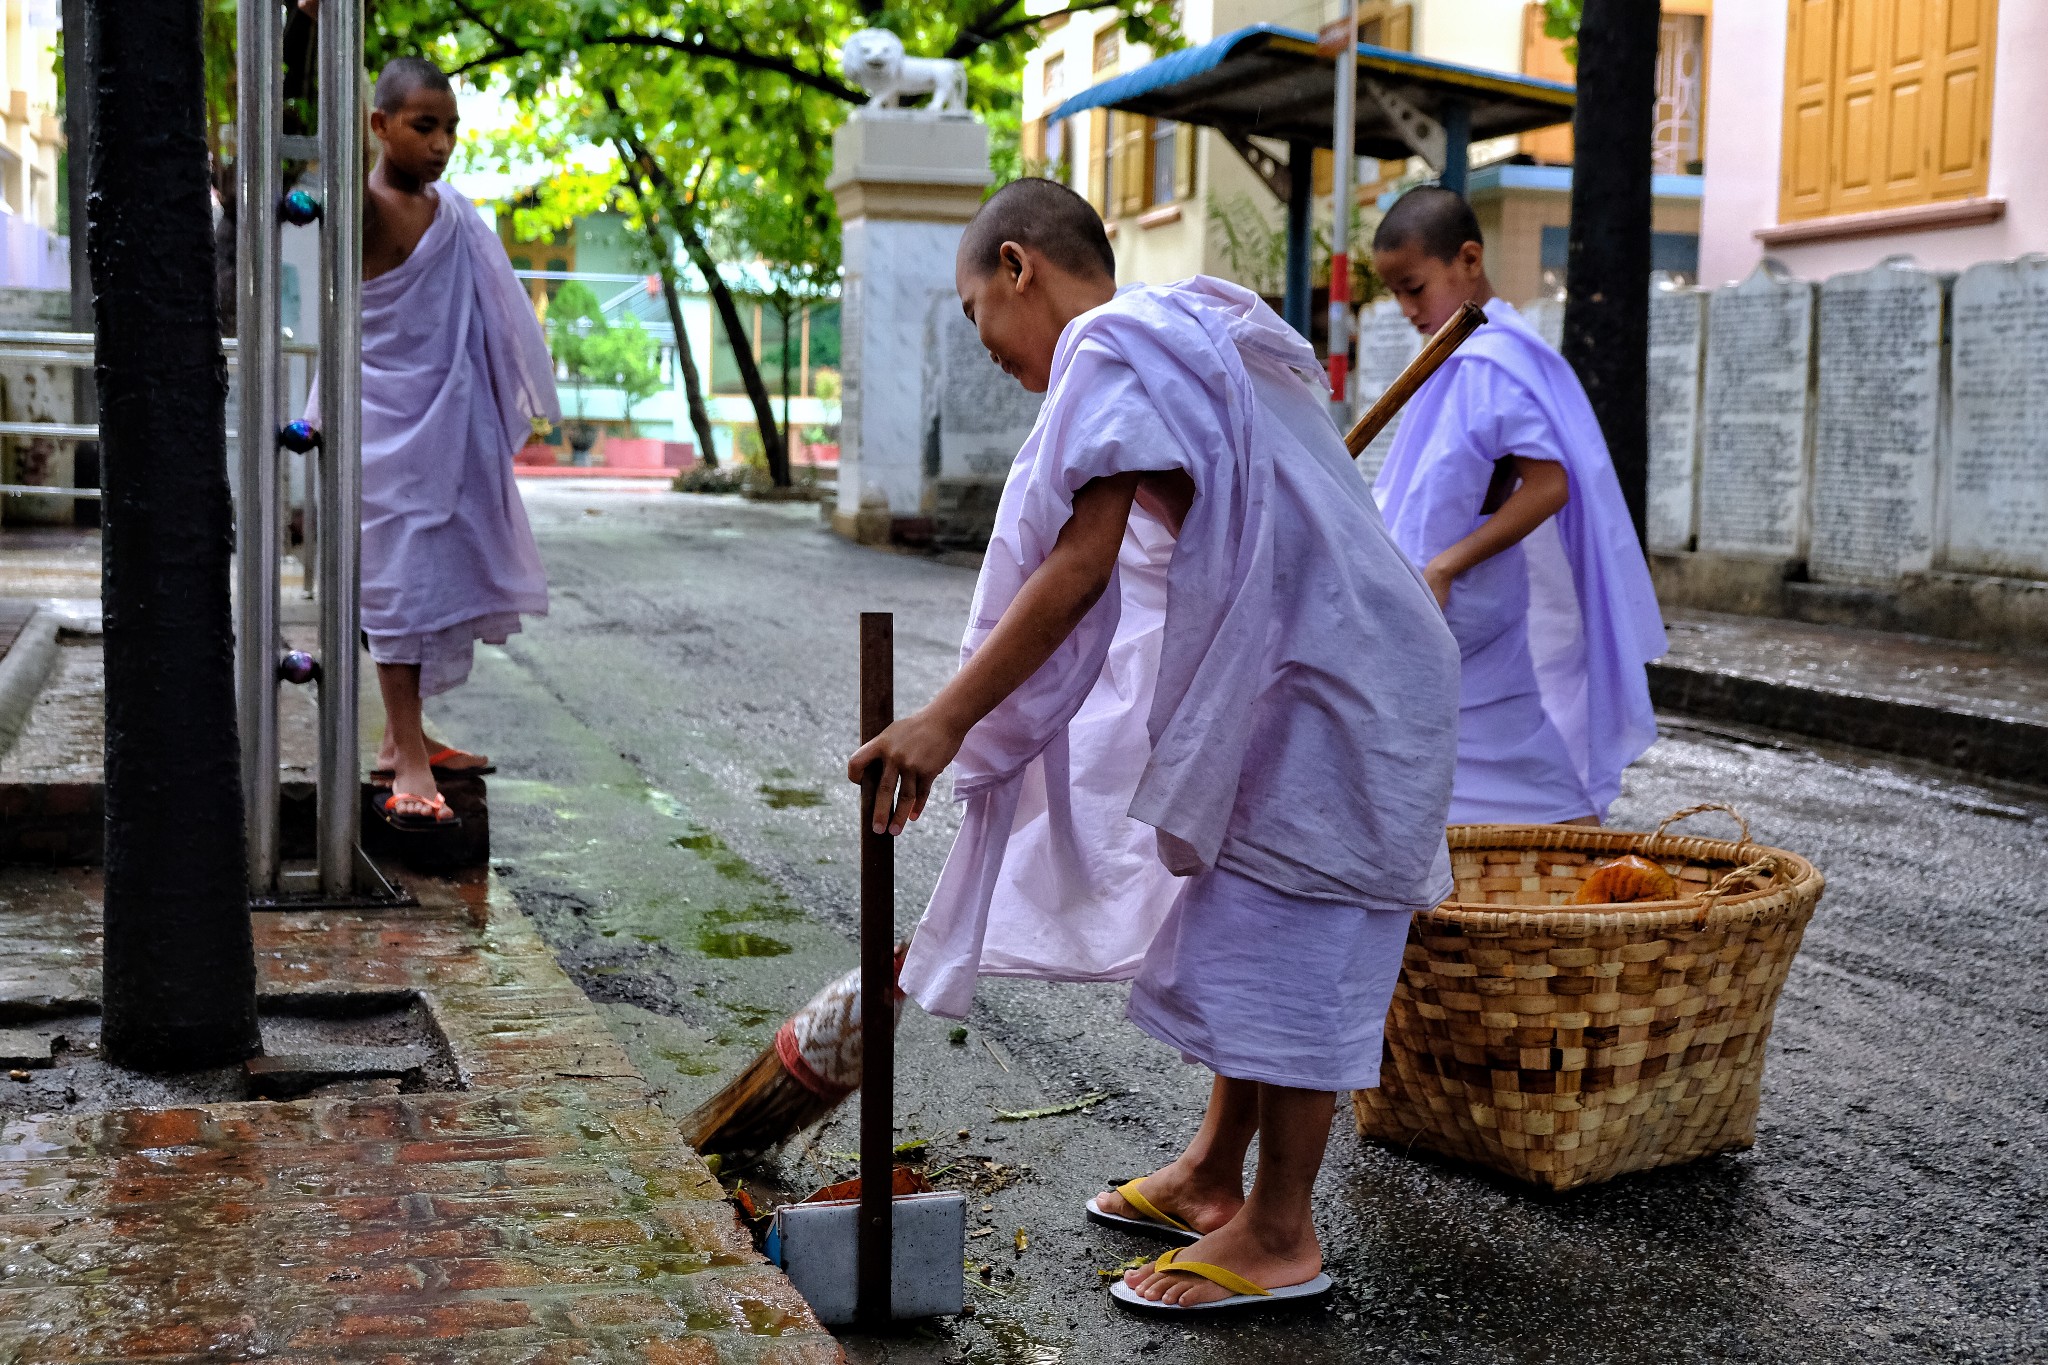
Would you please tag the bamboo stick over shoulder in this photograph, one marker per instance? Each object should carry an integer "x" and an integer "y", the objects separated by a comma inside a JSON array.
[{"x": 1435, "y": 352}]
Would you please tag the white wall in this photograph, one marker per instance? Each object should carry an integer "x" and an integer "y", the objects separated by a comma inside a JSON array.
[{"x": 1745, "y": 111}]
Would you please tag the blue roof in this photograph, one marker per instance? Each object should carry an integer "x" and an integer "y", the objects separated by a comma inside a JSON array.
[{"x": 1266, "y": 81}]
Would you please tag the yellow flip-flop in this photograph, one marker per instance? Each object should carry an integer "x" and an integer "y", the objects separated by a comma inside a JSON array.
[
  {"x": 1243, "y": 1293},
  {"x": 1152, "y": 1220}
]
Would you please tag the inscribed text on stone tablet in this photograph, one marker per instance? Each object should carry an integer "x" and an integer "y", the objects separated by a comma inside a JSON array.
[
  {"x": 1674, "y": 410},
  {"x": 1877, "y": 425},
  {"x": 1386, "y": 343},
  {"x": 1758, "y": 391},
  {"x": 1996, "y": 476}
]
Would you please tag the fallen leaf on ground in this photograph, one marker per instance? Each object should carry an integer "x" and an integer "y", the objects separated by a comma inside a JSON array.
[
  {"x": 1021, "y": 1240},
  {"x": 1069, "y": 1107}
]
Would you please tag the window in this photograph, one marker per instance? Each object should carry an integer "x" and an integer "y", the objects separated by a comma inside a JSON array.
[
  {"x": 1130, "y": 175},
  {"x": 1681, "y": 89},
  {"x": 1387, "y": 25},
  {"x": 1056, "y": 150},
  {"x": 1106, "y": 47},
  {"x": 1055, "y": 75},
  {"x": 1165, "y": 163},
  {"x": 1681, "y": 65},
  {"x": 1887, "y": 104}
]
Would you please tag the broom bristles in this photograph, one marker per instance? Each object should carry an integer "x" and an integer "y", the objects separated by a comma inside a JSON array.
[{"x": 760, "y": 1108}]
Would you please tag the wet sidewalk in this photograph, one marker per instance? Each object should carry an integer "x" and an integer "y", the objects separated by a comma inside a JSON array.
[
  {"x": 546, "y": 1212},
  {"x": 1981, "y": 712}
]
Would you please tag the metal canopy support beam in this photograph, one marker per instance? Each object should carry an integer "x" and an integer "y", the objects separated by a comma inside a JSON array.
[
  {"x": 1300, "y": 199},
  {"x": 341, "y": 421},
  {"x": 258, "y": 116},
  {"x": 1425, "y": 136},
  {"x": 1264, "y": 164}
]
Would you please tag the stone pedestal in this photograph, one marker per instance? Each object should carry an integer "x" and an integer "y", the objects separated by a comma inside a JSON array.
[{"x": 906, "y": 183}]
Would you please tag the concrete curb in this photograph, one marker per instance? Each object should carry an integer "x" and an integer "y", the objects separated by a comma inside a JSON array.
[
  {"x": 23, "y": 671},
  {"x": 2005, "y": 748}
]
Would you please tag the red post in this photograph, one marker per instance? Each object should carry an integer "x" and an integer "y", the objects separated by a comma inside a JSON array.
[{"x": 877, "y": 984}]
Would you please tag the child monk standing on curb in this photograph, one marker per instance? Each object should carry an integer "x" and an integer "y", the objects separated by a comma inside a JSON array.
[
  {"x": 1499, "y": 485},
  {"x": 1204, "y": 727},
  {"x": 455, "y": 371}
]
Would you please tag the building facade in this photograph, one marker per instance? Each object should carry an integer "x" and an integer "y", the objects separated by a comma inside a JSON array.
[
  {"x": 32, "y": 255},
  {"x": 1180, "y": 200},
  {"x": 1874, "y": 128}
]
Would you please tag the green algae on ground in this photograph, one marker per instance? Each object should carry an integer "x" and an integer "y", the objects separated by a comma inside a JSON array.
[
  {"x": 727, "y": 944},
  {"x": 715, "y": 851},
  {"x": 688, "y": 1064},
  {"x": 791, "y": 798}
]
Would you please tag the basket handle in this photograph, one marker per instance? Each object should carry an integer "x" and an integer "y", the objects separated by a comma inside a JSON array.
[
  {"x": 1703, "y": 807},
  {"x": 1711, "y": 897}
]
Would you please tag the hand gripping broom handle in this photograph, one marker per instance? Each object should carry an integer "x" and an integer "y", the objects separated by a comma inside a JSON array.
[{"x": 1448, "y": 338}]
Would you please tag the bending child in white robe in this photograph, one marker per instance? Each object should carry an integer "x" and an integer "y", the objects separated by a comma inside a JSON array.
[
  {"x": 1204, "y": 725},
  {"x": 454, "y": 371},
  {"x": 1499, "y": 485}
]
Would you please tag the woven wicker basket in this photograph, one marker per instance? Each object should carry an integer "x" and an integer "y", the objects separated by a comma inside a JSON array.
[{"x": 1563, "y": 1044}]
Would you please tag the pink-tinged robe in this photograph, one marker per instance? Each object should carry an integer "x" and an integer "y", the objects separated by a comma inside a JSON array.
[
  {"x": 1272, "y": 695},
  {"x": 455, "y": 369},
  {"x": 1554, "y": 632}
]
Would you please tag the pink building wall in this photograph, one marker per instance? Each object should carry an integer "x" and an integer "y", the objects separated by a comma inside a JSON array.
[{"x": 1745, "y": 108}]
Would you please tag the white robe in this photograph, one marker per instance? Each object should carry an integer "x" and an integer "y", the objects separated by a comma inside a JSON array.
[
  {"x": 454, "y": 370},
  {"x": 1273, "y": 693},
  {"x": 1554, "y": 632}
]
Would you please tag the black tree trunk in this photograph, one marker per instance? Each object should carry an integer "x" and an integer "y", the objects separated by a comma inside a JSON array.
[
  {"x": 663, "y": 252},
  {"x": 1607, "y": 269},
  {"x": 772, "y": 443},
  {"x": 180, "y": 974}
]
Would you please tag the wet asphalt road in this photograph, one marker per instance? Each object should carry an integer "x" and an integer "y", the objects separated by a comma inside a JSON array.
[{"x": 673, "y": 812}]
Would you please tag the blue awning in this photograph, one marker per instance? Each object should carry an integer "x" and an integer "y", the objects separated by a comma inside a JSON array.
[{"x": 1271, "y": 82}]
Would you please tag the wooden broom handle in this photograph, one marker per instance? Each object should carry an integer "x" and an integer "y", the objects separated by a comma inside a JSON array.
[{"x": 1448, "y": 338}]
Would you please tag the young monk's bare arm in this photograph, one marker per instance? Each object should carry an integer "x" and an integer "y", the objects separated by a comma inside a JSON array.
[
  {"x": 915, "y": 750},
  {"x": 1544, "y": 490}
]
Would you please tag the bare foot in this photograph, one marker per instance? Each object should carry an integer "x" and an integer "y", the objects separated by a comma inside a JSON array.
[
  {"x": 1204, "y": 1203},
  {"x": 454, "y": 760},
  {"x": 1269, "y": 1255}
]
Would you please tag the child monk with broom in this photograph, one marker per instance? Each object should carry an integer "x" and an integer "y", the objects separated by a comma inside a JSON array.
[{"x": 1204, "y": 727}]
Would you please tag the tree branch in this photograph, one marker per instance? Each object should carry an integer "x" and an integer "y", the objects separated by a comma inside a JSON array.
[
  {"x": 971, "y": 35},
  {"x": 703, "y": 47},
  {"x": 1033, "y": 21}
]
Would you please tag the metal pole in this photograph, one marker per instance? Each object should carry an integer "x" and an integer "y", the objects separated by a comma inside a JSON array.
[
  {"x": 1457, "y": 145},
  {"x": 341, "y": 421},
  {"x": 877, "y": 986},
  {"x": 258, "y": 115},
  {"x": 179, "y": 964},
  {"x": 1344, "y": 126},
  {"x": 1301, "y": 183}
]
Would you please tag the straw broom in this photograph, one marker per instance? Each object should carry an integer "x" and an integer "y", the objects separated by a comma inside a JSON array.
[{"x": 815, "y": 1061}]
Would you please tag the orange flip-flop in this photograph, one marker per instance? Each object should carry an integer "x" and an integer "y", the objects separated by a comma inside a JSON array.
[{"x": 428, "y": 812}]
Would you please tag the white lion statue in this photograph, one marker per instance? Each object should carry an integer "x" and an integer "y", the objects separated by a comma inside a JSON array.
[{"x": 873, "y": 60}]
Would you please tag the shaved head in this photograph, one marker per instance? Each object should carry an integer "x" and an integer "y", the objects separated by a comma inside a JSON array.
[
  {"x": 1434, "y": 220},
  {"x": 402, "y": 76},
  {"x": 1046, "y": 216}
]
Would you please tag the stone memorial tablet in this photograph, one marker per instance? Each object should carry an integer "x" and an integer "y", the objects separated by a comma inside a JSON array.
[
  {"x": 1756, "y": 431},
  {"x": 973, "y": 422},
  {"x": 1995, "y": 480},
  {"x": 1386, "y": 343},
  {"x": 1677, "y": 331},
  {"x": 1877, "y": 425}
]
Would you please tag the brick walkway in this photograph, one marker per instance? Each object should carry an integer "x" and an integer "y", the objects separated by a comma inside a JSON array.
[{"x": 548, "y": 1213}]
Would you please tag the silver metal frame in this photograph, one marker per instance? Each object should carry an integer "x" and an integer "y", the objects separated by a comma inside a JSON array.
[
  {"x": 341, "y": 417},
  {"x": 258, "y": 119}
]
